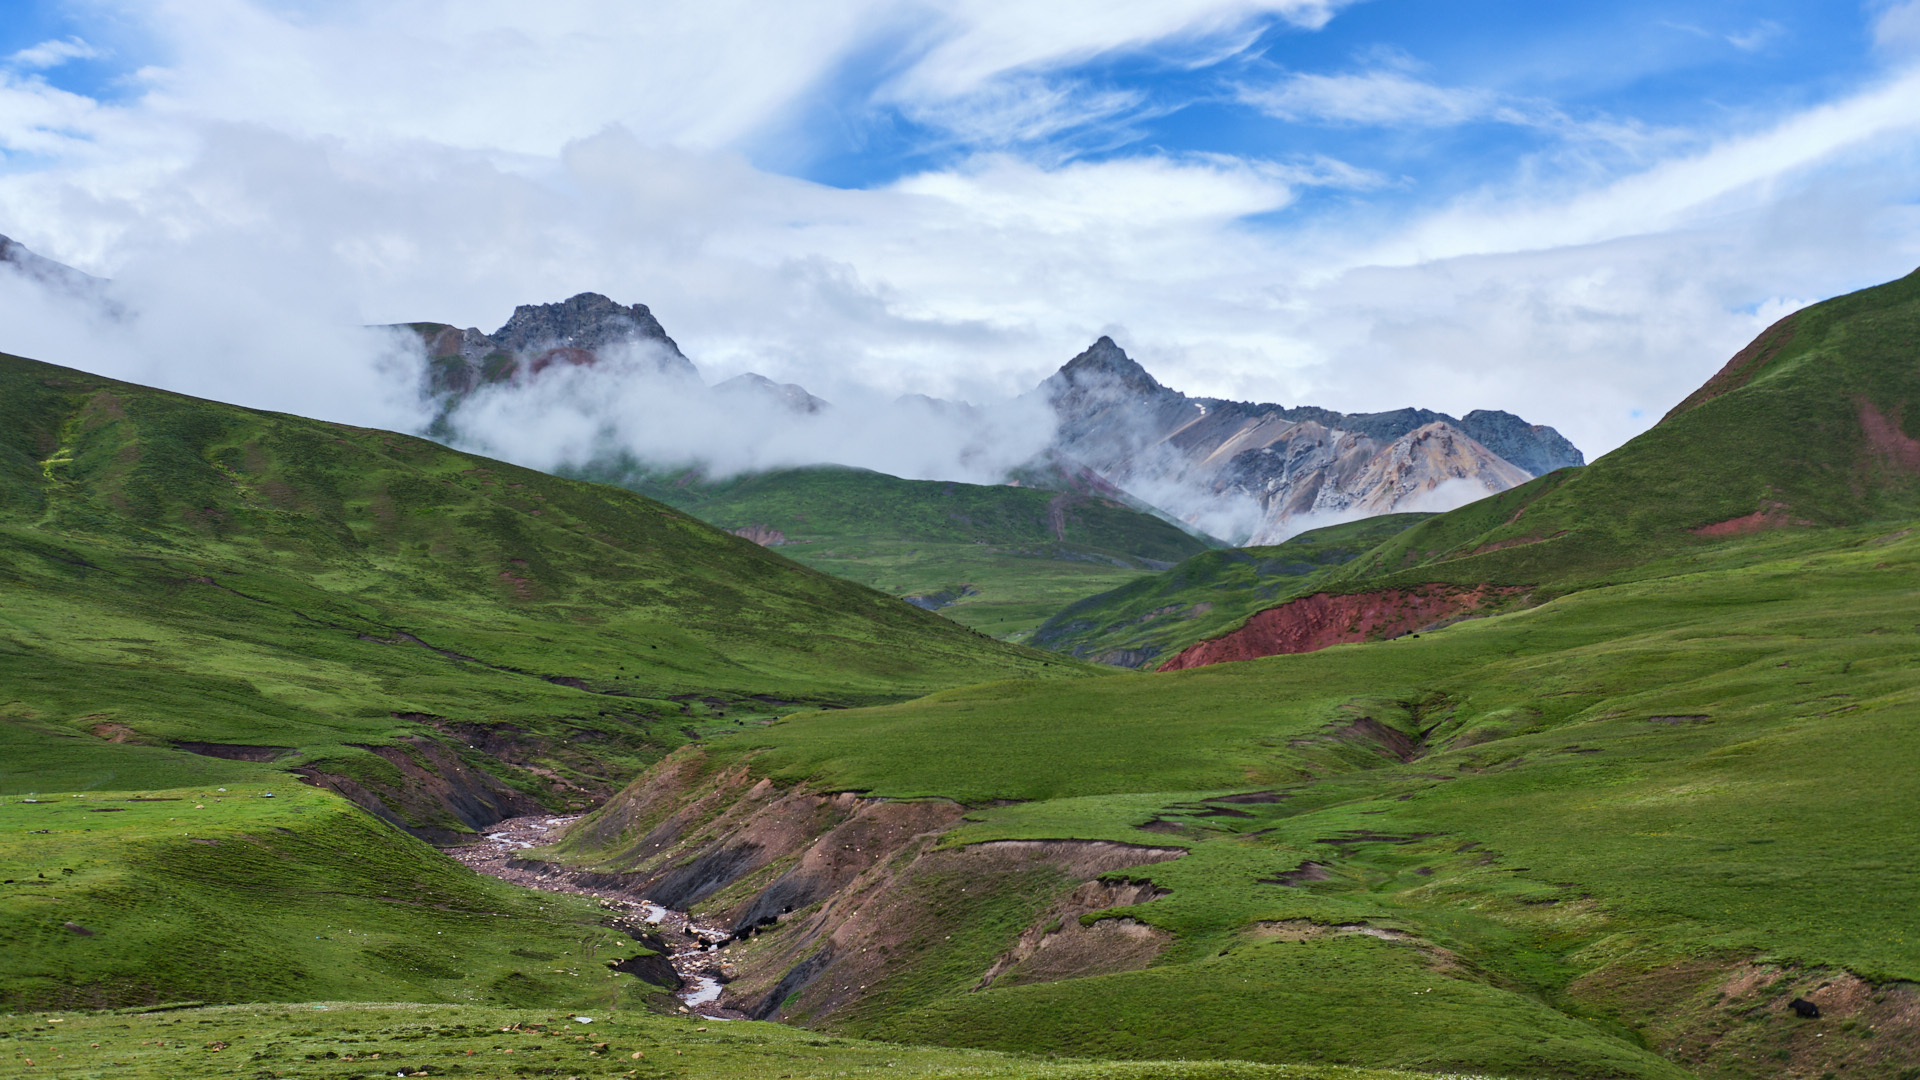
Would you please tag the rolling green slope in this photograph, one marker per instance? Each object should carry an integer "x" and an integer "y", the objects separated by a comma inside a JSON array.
[
  {"x": 1151, "y": 618},
  {"x": 215, "y": 892},
  {"x": 195, "y": 595},
  {"x": 1636, "y": 815},
  {"x": 996, "y": 558},
  {"x": 183, "y": 571},
  {"x": 1813, "y": 424},
  {"x": 338, "y": 1040},
  {"x": 1613, "y": 832}
]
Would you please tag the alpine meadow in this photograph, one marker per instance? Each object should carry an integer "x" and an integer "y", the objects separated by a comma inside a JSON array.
[{"x": 1167, "y": 542}]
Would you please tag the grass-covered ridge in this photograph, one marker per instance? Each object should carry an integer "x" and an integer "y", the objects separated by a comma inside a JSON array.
[
  {"x": 196, "y": 596},
  {"x": 256, "y": 889},
  {"x": 1639, "y": 806},
  {"x": 1815, "y": 424},
  {"x": 179, "y": 571},
  {"x": 339, "y": 1040},
  {"x": 1150, "y": 619},
  {"x": 994, "y": 557}
]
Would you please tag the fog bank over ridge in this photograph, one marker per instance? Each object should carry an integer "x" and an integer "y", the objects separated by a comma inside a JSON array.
[
  {"x": 624, "y": 406},
  {"x": 602, "y": 388},
  {"x": 589, "y": 384}
]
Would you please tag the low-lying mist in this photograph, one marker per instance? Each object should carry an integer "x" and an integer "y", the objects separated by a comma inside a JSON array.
[
  {"x": 265, "y": 349},
  {"x": 625, "y": 406},
  {"x": 258, "y": 341}
]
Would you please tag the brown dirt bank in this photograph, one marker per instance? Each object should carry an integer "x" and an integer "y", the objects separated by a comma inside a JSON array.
[
  {"x": 842, "y": 905},
  {"x": 438, "y": 797},
  {"x": 1729, "y": 1017},
  {"x": 1315, "y": 622},
  {"x": 1773, "y": 515}
]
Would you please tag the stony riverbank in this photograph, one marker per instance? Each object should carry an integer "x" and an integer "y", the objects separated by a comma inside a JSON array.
[{"x": 501, "y": 852}]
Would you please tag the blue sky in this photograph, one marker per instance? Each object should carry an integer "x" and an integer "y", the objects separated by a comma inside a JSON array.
[
  {"x": 1667, "y": 67},
  {"x": 1574, "y": 212}
]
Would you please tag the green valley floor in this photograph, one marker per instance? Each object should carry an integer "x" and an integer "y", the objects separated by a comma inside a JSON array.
[{"x": 1611, "y": 835}]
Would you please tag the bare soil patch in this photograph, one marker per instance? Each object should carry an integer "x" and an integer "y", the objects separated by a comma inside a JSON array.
[
  {"x": 1892, "y": 447},
  {"x": 1315, "y": 622},
  {"x": 1773, "y": 515},
  {"x": 1059, "y": 946},
  {"x": 1724, "y": 1017}
]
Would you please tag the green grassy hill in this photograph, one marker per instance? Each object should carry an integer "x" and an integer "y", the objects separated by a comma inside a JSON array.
[
  {"x": 194, "y": 595},
  {"x": 1613, "y": 832},
  {"x": 1813, "y": 424},
  {"x": 1152, "y": 618},
  {"x": 1636, "y": 818},
  {"x": 996, "y": 558},
  {"x": 341, "y": 1040}
]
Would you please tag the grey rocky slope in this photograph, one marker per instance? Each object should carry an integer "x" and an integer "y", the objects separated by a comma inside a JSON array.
[
  {"x": 1243, "y": 471},
  {"x": 579, "y": 330},
  {"x": 1259, "y": 472},
  {"x": 57, "y": 277}
]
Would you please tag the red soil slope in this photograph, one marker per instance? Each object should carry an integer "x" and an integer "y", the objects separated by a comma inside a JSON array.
[{"x": 1323, "y": 619}]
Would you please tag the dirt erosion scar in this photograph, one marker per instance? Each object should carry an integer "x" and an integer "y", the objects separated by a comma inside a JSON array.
[{"x": 1314, "y": 622}]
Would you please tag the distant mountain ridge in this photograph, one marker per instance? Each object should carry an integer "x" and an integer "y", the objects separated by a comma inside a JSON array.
[
  {"x": 1200, "y": 460},
  {"x": 1291, "y": 462},
  {"x": 574, "y": 331},
  {"x": 59, "y": 277},
  {"x": 1254, "y": 472}
]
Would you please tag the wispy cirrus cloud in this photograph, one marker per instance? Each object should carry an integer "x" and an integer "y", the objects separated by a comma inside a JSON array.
[
  {"x": 1756, "y": 37},
  {"x": 50, "y": 54},
  {"x": 1359, "y": 233},
  {"x": 1383, "y": 97},
  {"x": 1896, "y": 29},
  {"x": 1753, "y": 38}
]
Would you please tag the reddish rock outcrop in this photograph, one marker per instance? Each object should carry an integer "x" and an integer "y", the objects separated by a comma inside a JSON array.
[
  {"x": 1315, "y": 622},
  {"x": 1771, "y": 516},
  {"x": 1892, "y": 447}
]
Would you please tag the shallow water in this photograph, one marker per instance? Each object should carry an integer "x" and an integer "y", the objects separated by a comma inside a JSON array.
[
  {"x": 700, "y": 990},
  {"x": 703, "y": 989}
]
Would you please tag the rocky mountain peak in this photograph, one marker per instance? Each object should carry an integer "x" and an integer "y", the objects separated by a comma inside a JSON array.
[
  {"x": 20, "y": 259},
  {"x": 586, "y": 321},
  {"x": 574, "y": 332},
  {"x": 1536, "y": 448},
  {"x": 1239, "y": 468},
  {"x": 1104, "y": 370}
]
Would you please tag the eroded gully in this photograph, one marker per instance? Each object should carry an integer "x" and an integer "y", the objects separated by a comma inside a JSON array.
[{"x": 691, "y": 946}]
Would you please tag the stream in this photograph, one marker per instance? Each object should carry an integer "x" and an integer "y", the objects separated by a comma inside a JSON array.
[{"x": 689, "y": 941}]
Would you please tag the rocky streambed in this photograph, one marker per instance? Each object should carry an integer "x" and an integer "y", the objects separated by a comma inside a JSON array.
[{"x": 690, "y": 946}]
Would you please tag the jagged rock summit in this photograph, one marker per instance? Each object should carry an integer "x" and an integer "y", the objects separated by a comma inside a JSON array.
[
  {"x": 580, "y": 330},
  {"x": 57, "y": 276},
  {"x": 1104, "y": 371},
  {"x": 1209, "y": 460},
  {"x": 586, "y": 321}
]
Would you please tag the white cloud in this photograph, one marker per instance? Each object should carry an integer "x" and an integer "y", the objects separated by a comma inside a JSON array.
[
  {"x": 1756, "y": 37},
  {"x": 569, "y": 416},
  {"x": 982, "y": 39},
  {"x": 1025, "y": 110},
  {"x": 503, "y": 76},
  {"x": 1738, "y": 173},
  {"x": 268, "y": 196},
  {"x": 37, "y": 119},
  {"x": 1752, "y": 39},
  {"x": 1897, "y": 29},
  {"x": 1385, "y": 97},
  {"x": 49, "y": 54}
]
